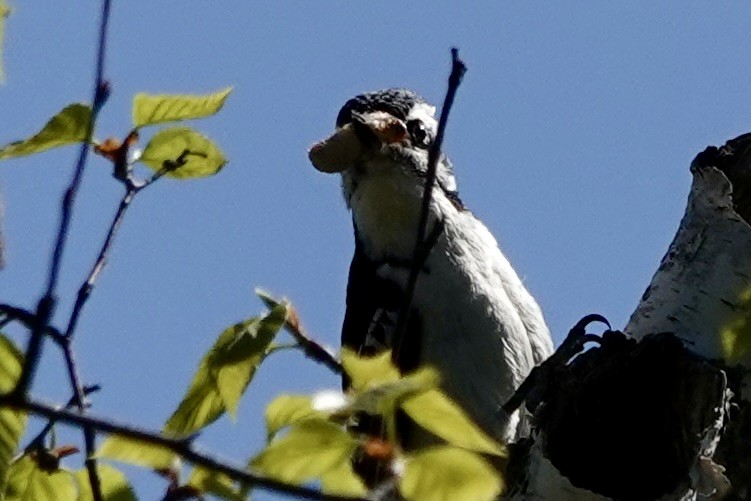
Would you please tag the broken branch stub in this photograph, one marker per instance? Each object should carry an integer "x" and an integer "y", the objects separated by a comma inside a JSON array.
[{"x": 663, "y": 413}]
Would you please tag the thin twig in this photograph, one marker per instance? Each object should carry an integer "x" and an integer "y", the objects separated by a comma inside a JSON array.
[
  {"x": 423, "y": 246},
  {"x": 314, "y": 350},
  {"x": 88, "y": 286},
  {"x": 46, "y": 305},
  {"x": 182, "y": 447},
  {"x": 132, "y": 188},
  {"x": 38, "y": 439},
  {"x": 28, "y": 319},
  {"x": 310, "y": 347}
]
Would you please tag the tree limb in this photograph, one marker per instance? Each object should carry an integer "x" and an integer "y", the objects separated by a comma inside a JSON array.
[{"x": 182, "y": 447}]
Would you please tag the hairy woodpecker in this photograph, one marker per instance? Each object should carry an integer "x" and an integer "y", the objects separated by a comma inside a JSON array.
[{"x": 472, "y": 318}]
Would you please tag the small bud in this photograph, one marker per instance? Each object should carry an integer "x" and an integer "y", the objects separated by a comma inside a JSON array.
[{"x": 377, "y": 448}]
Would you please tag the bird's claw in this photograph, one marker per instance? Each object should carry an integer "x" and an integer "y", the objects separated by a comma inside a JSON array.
[{"x": 573, "y": 345}]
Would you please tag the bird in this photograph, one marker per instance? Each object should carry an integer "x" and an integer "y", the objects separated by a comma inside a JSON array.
[{"x": 471, "y": 317}]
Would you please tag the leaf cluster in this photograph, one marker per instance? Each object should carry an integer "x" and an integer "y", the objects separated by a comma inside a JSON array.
[
  {"x": 179, "y": 152},
  {"x": 317, "y": 438}
]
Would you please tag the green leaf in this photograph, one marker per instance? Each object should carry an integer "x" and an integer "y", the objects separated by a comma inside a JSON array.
[
  {"x": 343, "y": 481},
  {"x": 28, "y": 482},
  {"x": 286, "y": 410},
  {"x": 449, "y": 473},
  {"x": 736, "y": 336},
  {"x": 4, "y": 13},
  {"x": 267, "y": 299},
  {"x": 367, "y": 372},
  {"x": 67, "y": 127},
  {"x": 115, "y": 485},
  {"x": 440, "y": 415},
  {"x": 154, "y": 109},
  {"x": 225, "y": 372},
  {"x": 383, "y": 398},
  {"x": 131, "y": 451},
  {"x": 12, "y": 422},
  {"x": 182, "y": 153},
  {"x": 309, "y": 450},
  {"x": 212, "y": 482}
]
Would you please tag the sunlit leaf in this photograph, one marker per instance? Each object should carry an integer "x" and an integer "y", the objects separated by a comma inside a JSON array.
[
  {"x": 202, "y": 405},
  {"x": 131, "y": 451},
  {"x": 366, "y": 372},
  {"x": 28, "y": 482},
  {"x": 151, "y": 109},
  {"x": 212, "y": 482},
  {"x": 225, "y": 372},
  {"x": 308, "y": 450},
  {"x": 343, "y": 481},
  {"x": 114, "y": 484},
  {"x": 183, "y": 153},
  {"x": 384, "y": 398},
  {"x": 269, "y": 300},
  {"x": 12, "y": 422},
  {"x": 67, "y": 127},
  {"x": 4, "y": 13},
  {"x": 440, "y": 415},
  {"x": 449, "y": 473},
  {"x": 286, "y": 410},
  {"x": 736, "y": 336}
]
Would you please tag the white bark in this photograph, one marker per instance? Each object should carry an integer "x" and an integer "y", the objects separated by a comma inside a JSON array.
[
  {"x": 698, "y": 291},
  {"x": 701, "y": 293}
]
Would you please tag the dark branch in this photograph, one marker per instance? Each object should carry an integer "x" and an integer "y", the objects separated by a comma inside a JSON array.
[
  {"x": 28, "y": 319},
  {"x": 38, "y": 440},
  {"x": 312, "y": 348},
  {"x": 88, "y": 286},
  {"x": 182, "y": 447},
  {"x": 46, "y": 305},
  {"x": 423, "y": 246}
]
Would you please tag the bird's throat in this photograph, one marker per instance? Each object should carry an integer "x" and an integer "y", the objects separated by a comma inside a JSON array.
[{"x": 386, "y": 210}]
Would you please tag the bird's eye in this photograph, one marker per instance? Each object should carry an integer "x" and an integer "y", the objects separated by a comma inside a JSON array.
[{"x": 418, "y": 133}]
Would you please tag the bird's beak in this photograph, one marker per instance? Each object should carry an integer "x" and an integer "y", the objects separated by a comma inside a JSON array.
[{"x": 350, "y": 142}]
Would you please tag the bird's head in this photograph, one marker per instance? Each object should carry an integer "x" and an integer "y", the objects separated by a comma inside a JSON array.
[{"x": 385, "y": 132}]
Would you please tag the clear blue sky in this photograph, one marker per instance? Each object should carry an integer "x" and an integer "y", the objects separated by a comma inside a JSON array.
[{"x": 571, "y": 138}]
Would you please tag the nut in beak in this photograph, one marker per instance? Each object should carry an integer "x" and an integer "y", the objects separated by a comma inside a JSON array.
[{"x": 345, "y": 146}]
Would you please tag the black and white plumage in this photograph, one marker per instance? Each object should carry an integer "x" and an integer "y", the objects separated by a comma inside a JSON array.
[{"x": 472, "y": 317}]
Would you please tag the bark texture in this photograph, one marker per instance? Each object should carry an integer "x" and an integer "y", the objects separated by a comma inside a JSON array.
[{"x": 663, "y": 411}]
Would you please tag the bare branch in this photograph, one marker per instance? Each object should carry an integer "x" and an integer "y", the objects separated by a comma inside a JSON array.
[
  {"x": 312, "y": 348},
  {"x": 182, "y": 447},
  {"x": 39, "y": 437},
  {"x": 87, "y": 287},
  {"x": 28, "y": 319},
  {"x": 423, "y": 246},
  {"x": 46, "y": 305}
]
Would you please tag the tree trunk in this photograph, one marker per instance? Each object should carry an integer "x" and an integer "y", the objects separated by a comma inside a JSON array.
[{"x": 661, "y": 412}]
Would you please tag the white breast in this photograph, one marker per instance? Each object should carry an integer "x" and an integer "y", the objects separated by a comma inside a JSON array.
[
  {"x": 474, "y": 330},
  {"x": 482, "y": 330}
]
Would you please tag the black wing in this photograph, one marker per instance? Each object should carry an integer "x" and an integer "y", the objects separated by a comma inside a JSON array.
[{"x": 373, "y": 305}]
